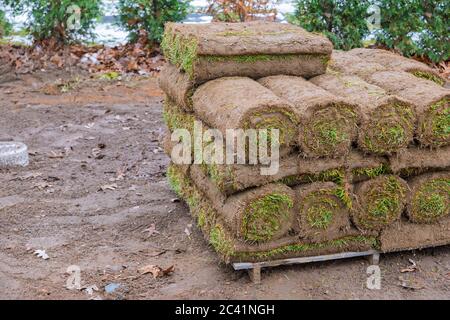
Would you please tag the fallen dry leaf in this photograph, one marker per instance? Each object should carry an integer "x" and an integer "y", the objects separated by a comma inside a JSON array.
[
  {"x": 156, "y": 271},
  {"x": 107, "y": 187}
]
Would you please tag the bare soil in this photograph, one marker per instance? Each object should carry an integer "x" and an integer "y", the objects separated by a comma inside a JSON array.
[{"x": 96, "y": 187}]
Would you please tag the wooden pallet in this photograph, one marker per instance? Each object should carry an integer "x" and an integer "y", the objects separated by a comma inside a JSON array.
[{"x": 254, "y": 268}]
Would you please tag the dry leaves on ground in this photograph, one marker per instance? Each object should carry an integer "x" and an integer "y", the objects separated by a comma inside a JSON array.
[{"x": 156, "y": 271}]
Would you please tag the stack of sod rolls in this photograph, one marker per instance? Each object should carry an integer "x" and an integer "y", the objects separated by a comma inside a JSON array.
[{"x": 363, "y": 161}]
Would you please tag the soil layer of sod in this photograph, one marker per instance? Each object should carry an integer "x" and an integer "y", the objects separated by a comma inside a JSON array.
[
  {"x": 328, "y": 124},
  {"x": 253, "y": 49},
  {"x": 388, "y": 123},
  {"x": 414, "y": 161}
]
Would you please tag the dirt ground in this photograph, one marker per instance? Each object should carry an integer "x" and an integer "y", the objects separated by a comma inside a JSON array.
[{"x": 95, "y": 196}]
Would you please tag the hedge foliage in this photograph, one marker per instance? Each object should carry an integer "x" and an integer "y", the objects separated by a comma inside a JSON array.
[
  {"x": 413, "y": 27},
  {"x": 150, "y": 16},
  {"x": 63, "y": 20},
  {"x": 343, "y": 22},
  {"x": 5, "y": 25}
]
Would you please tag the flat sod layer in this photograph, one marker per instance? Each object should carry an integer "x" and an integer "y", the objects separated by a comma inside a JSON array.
[
  {"x": 405, "y": 235},
  {"x": 322, "y": 211},
  {"x": 379, "y": 202},
  {"x": 388, "y": 123},
  {"x": 414, "y": 160},
  {"x": 230, "y": 249},
  {"x": 430, "y": 100},
  {"x": 429, "y": 199},
  {"x": 242, "y": 103},
  {"x": 253, "y": 49},
  {"x": 395, "y": 62},
  {"x": 328, "y": 124},
  {"x": 254, "y": 216}
]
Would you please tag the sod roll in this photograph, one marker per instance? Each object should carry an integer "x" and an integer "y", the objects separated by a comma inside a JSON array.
[
  {"x": 430, "y": 100},
  {"x": 429, "y": 199},
  {"x": 177, "y": 86},
  {"x": 242, "y": 103},
  {"x": 328, "y": 124},
  {"x": 321, "y": 213},
  {"x": 379, "y": 202},
  {"x": 253, "y": 49},
  {"x": 292, "y": 171},
  {"x": 388, "y": 123},
  {"x": 343, "y": 63},
  {"x": 257, "y": 215},
  {"x": 396, "y": 62}
]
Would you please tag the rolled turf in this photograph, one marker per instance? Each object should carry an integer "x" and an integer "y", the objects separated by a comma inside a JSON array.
[
  {"x": 242, "y": 103},
  {"x": 429, "y": 199},
  {"x": 322, "y": 215},
  {"x": 430, "y": 100},
  {"x": 177, "y": 86},
  {"x": 255, "y": 216},
  {"x": 379, "y": 202},
  {"x": 395, "y": 62},
  {"x": 231, "y": 249},
  {"x": 293, "y": 170},
  {"x": 388, "y": 123},
  {"x": 253, "y": 49},
  {"x": 328, "y": 124}
]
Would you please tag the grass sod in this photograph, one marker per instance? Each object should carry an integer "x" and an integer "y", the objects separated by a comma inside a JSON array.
[
  {"x": 431, "y": 201},
  {"x": 182, "y": 52},
  {"x": 281, "y": 119},
  {"x": 265, "y": 216},
  {"x": 221, "y": 240},
  {"x": 391, "y": 128},
  {"x": 436, "y": 124},
  {"x": 319, "y": 208},
  {"x": 372, "y": 173},
  {"x": 302, "y": 248},
  {"x": 382, "y": 201},
  {"x": 334, "y": 175},
  {"x": 429, "y": 76},
  {"x": 327, "y": 133},
  {"x": 175, "y": 118}
]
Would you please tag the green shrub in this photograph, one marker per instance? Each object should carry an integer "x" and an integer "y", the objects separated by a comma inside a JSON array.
[
  {"x": 435, "y": 40},
  {"x": 5, "y": 26},
  {"x": 150, "y": 16},
  {"x": 343, "y": 22},
  {"x": 400, "y": 20},
  {"x": 58, "y": 19},
  {"x": 416, "y": 27}
]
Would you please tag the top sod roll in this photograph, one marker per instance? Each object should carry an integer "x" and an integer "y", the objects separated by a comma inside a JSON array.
[{"x": 253, "y": 49}]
